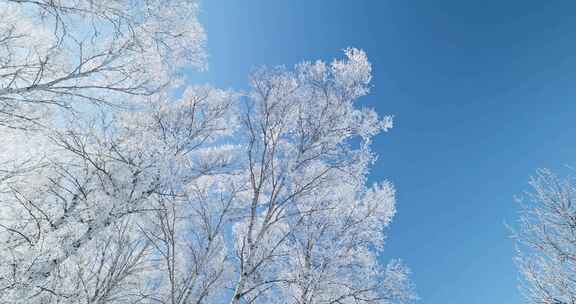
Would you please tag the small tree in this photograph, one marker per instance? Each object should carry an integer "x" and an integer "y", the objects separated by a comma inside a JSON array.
[{"x": 547, "y": 240}]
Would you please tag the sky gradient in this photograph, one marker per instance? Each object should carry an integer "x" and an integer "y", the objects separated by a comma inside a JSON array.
[{"x": 482, "y": 94}]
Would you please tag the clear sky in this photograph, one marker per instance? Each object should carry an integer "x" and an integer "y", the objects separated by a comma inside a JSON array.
[{"x": 483, "y": 93}]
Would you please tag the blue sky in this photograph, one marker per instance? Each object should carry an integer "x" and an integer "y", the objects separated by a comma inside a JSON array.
[{"x": 482, "y": 93}]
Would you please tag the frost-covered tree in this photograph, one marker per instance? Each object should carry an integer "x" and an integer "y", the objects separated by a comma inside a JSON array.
[
  {"x": 55, "y": 54},
  {"x": 259, "y": 199},
  {"x": 547, "y": 240},
  {"x": 210, "y": 197},
  {"x": 109, "y": 218},
  {"x": 309, "y": 231}
]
